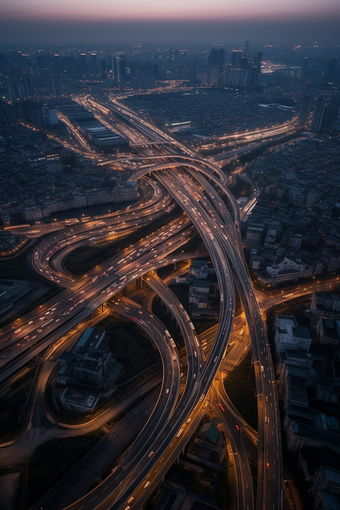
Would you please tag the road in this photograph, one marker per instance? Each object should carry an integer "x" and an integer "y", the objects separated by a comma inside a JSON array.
[{"x": 195, "y": 183}]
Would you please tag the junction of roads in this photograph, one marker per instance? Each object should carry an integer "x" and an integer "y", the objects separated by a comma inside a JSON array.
[{"x": 174, "y": 176}]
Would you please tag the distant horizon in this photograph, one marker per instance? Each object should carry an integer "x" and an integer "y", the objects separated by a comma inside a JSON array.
[{"x": 307, "y": 31}]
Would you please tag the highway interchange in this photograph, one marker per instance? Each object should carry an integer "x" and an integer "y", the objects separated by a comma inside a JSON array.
[{"x": 172, "y": 173}]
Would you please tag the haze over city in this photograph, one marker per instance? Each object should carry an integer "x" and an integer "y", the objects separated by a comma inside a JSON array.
[{"x": 169, "y": 22}]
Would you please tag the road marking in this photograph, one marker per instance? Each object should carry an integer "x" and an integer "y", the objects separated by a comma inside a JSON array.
[
  {"x": 105, "y": 488},
  {"x": 93, "y": 499}
]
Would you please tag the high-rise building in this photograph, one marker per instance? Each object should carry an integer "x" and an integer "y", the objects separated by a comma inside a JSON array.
[
  {"x": 246, "y": 48},
  {"x": 304, "y": 109},
  {"x": 7, "y": 114},
  {"x": 57, "y": 67},
  {"x": 70, "y": 66},
  {"x": 119, "y": 71},
  {"x": 9, "y": 91},
  {"x": 318, "y": 115},
  {"x": 330, "y": 115},
  {"x": 116, "y": 69},
  {"x": 329, "y": 75},
  {"x": 83, "y": 65},
  {"x": 102, "y": 63},
  {"x": 93, "y": 64},
  {"x": 236, "y": 56},
  {"x": 213, "y": 57},
  {"x": 306, "y": 70},
  {"x": 221, "y": 57},
  {"x": 193, "y": 73},
  {"x": 255, "y": 70}
]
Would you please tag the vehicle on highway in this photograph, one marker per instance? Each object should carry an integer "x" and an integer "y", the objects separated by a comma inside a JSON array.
[
  {"x": 220, "y": 407},
  {"x": 167, "y": 391},
  {"x": 46, "y": 323},
  {"x": 151, "y": 454},
  {"x": 237, "y": 427},
  {"x": 267, "y": 466},
  {"x": 146, "y": 485},
  {"x": 266, "y": 399},
  {"x": 179, "y": 433}
]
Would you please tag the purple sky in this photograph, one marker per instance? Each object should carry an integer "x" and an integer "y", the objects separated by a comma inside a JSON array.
[
  {"x": 183, "y": 20},
  {"x": 165, "y": 9}
]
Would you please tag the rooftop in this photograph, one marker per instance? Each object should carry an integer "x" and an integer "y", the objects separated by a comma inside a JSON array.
[
  {"x": 79, "y": 397},
  {"x": 210, "y": 431}
]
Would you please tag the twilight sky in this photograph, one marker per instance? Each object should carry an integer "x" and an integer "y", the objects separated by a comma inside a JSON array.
[{"x": 98, "y": 21}]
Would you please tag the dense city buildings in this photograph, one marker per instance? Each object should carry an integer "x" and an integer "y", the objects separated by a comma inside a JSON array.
[{"x": 169, "y": 223}]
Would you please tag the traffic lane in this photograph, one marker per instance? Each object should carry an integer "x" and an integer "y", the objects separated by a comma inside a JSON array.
[
  {"x": 93, "y": 290},
  {"x": 62, "y": 247},
  {"x": 245, "y": 282},
  {"x": 173, "y": 304},
  {"x": 240, "y": 460},
  {"x": 145, "y": 320}
]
